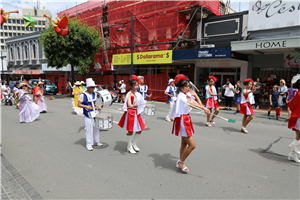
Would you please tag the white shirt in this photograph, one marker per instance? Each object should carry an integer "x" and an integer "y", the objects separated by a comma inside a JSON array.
[
  {"x": 214, "y": 91},
  {"x": 89, "y": 96},
  {"x": 229, "y": 91},
  {"x": 123, "y": 88},
  {"x": 16, "y": 89},
  {"x": 5, "y": 89},
  {"x": 181, "y": 105}
]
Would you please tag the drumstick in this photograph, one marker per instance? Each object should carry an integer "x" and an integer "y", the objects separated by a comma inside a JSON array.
[{"x": 228, "y": 120}]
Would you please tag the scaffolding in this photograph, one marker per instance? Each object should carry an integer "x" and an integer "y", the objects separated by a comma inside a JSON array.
[{"x": 159, "y": 25}]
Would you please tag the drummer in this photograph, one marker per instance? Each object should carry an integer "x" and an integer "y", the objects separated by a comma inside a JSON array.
[
  {"x": 85, "y": 102},
  {"x": 171, "y": 91},
  {"x": 143, "y": 89}
]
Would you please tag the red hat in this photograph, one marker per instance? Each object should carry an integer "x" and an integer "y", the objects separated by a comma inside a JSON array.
[
  {"x": 214, "y": 78},
  {"x": 180, "y": 77},
  {"x": 134, "y": 77},
  {"x": 248, "y": 80}
]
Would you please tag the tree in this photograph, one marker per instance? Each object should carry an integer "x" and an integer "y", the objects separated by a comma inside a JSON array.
[{"x": 77, "y": 48}]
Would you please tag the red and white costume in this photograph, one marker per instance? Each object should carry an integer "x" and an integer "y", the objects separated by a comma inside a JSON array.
[
  {"x": 131, "y": 119},
  {"x": 294, "y": 121},
  {"x": 246, "y": 102},
  {"x": 182, "y": 125},
  {"x": 211, "y": 102}
]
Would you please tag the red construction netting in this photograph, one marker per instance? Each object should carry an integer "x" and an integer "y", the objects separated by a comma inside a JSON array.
[
  {"x": 157, "y": 84},
  {"x": 99, "y": 79}
]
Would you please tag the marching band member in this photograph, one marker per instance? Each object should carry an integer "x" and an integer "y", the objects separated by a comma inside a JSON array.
[
  {"x": 76, "y": 92},
  {"x": 182, "y": 125},
  {"x": 171, "y": 92},
  {"x": 85, "y": 102},
  {"x": 131, "y": 119},
  {"x": 29, "y": 111},
  {"x": 246, "y": 102},
  {"x": 212, "y": 99},
  {"x": 39, "y": 97},
  {"x": 294, "y": 122},
  {"x": 143, "y": 89}
]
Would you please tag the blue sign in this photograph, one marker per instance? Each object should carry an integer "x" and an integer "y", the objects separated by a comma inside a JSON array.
[{"x": 212, "y": 53}]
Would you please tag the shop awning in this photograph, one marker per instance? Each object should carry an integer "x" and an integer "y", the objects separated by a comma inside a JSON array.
[{"x": 267, "y": 46}]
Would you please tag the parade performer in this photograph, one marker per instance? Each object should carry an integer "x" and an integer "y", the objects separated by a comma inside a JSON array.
[
  {"x": 85, "y": 102},
  {"x": 60, "y": 25},
  {"x": 5, "y": 15},
  {"x": 294, "y": 122},
  {"x": 29, "y": 111},
  {"x": 143, "y": 89},
  {"x": 211, "y": 101},
  {"x": 171, "y": 91},
  {"x": 76, "y": 92},
  {"x": 182, "y": 125},
  {"x": 131, "y": 120},
  {"x": 246, "y": 102},
  {"x": 82, "y": 85},
  {"x": 122, "y": 90},
  {"x": 39, "y": 97},
  {"x": 16, "y": 95}
]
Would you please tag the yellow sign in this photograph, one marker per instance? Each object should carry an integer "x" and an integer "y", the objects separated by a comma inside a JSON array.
[{"x": 151, "y": 57}]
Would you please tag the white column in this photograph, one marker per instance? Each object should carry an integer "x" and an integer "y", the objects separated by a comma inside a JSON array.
[
  {"x": 8, "y": 52},
  {"x": 37, "y": 52},
  {"x": 15, "y": 50},
  {"x": 29, "y": 52},
  {"x": 21, "y": 53}
]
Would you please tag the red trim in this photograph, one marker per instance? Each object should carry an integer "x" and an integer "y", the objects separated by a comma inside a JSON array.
[
  {"x": 130, "y": 120},
  {"x": 187, "y": 121},
  {"x": 244, "y": 108}
]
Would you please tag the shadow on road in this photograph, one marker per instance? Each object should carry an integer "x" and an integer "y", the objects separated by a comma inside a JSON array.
[
  {"x": 199, "y": 124},
  {"x": 80, "y": 129},
  {"x": 121, "y": 147},
  {"x": 161, "y": 118},
  {"x": 165, "y": 161},
  {"x": 81, "y": 141},
  {"x": 231, "y": 129}
]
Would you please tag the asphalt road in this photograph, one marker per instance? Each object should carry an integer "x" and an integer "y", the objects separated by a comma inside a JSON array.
[{"x": 226, "y": 164}]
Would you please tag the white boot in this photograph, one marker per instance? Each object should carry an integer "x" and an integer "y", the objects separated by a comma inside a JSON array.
[
  {"x": 295, "y": 146},
  {"x": 135, "y": 139},
  {"x": 129, "y": 146},
  {"x": 293, "y": 156}
]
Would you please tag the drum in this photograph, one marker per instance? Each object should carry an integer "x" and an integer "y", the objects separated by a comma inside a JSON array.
[
  {"x": 104, "y": 121},
  {"x": 174, "y": 99},
  {"x": 149, "y": 109},
  {"x": 93, "y": 114},
  {"x": 104, "y": 98}
]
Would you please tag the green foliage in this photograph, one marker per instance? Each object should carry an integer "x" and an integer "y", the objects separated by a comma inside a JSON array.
[{"x": 77, "y": 48}]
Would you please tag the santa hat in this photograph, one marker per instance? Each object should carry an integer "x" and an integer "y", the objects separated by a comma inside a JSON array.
[
  {"x": 180, "y": 77},
  {"x": 214, "y": 78}
]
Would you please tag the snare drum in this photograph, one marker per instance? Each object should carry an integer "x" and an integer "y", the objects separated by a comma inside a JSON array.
[
  {"x": 149, "y": 109},
  {"x": 174, "y": 99},
  {"x": 104, "y": 98},
  {"x": 104, "y": 121}
]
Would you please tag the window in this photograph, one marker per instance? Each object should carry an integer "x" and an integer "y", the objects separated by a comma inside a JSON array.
[
  {"x": 2, "y": 41},
  {"x": 1, "y": 33},
  {"x": 31, "y": 29},
  {"x": 40, "y": 29},
  {"x": 44, "y": 23},
  {"x": 27, "y": 28},
  {"x": 2, "y": 47},
  {"x": 18, "y": 21},
  {"x": 14, "y": 34},
  {"x": 14, "y": 28},
  {"x": 11, "y": 52},
  {"x": 25, "y": 51},
  {"x": 23, "y": 28},
  {"x": 33, "y": 48},
  {"x": 9, "y": 21},
  {"x": 5, "y": 27},
  {"x": 39, "y": 23},
  {"x": 10, "y": 34},
  {"x": 22, "y": 21},
  {"x": 13, "y": 21},
  {"x": 19, "y": 28},
  {"x": 5, "y": 34},
  {"x": 9, "y": 28},
  {"x": 18, "y": 53}
]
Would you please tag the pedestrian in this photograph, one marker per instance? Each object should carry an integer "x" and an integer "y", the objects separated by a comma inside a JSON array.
[
  {"x": 212, "y": 100},
  {"x": 131, "y": 120},
  {"x": 77, "y": 92},
  {"x": 28, "y": 110},
  {"x": 274, "y": 101},
  {"x": 182, "y": 125},
  {"x": 122, "y": 89},
  {"x": 193, "y": 87},
  {"x": 258, "y": 86},
  {"x": 39, "y": 97},
  {"x": 143, "y": 89},
  {"x": 237, "y": 96},
  {"x": 291, "y": 93},
  {"x": 294, "y": 122},
  {"x": 171, "y": 92},
  {"x": 246, "y": 101},
  {"x": 283, "y": 91},
  {"x": 229, "y": 94},
  {"x": 16, "y": 95},
  {"x": 86, "y": 100}
]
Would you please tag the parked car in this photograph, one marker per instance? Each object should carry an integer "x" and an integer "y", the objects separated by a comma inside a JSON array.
[
  {"x": 113, "y": 93},
  {"x": 50, "y": 87}
]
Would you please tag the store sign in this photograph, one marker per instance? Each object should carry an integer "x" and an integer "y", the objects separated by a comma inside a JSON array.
[
  {"x": 152, "y": 57},
  {"x": 291, "y": 60},
  {"x": 270, "y": 14},
  {"x": 33, "y": 72},
  {"x": 271, "y": 45},
  {"x": 213, "y": 53}
]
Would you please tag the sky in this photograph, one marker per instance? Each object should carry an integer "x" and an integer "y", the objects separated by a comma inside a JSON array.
[{"x": 55, "y": 6}]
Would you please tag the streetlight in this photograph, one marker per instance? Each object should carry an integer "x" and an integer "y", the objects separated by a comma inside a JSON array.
[{"x": 131, "y": 46}]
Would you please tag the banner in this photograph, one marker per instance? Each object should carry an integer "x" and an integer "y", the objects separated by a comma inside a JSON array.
[
  {"x": 291, "y": 60},
  {"x": 151, "y": 57},
  {"x": 271, "y": 14}
]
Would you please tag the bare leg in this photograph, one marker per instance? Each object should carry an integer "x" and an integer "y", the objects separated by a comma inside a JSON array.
[
  {"x": 129, "y": 133},
  {"x": 186, "y": 150},
  {"x": 297, "y": 135},
  {"x": 208, "y": 116},
  {"x": 289, "y": 113},
  {"x": 182, "y": 148},
  {"x": 243, "y": 121},
  {"x": 239, "y": 106},
  {"x": 248, "y": 120},
  {"x": 216, "y": 112}
]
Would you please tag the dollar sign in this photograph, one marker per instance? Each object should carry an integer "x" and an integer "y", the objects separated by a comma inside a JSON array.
[
  {"x": 138, "y": 57},
  {"x": 167, "y": 55}
]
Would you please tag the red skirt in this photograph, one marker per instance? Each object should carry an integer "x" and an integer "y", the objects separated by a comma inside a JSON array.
[
  {"x": 183, "y": 126},
  {"x": 131, "y": 121},
  {"x": 246, "y": 109},
  {"x": 211, "y": 103},
  {"x": 294, "y": 123}
]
